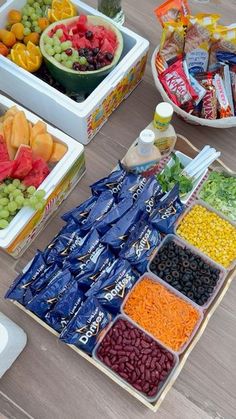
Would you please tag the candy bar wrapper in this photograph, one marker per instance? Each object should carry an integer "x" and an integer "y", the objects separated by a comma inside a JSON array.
[
  {"x": 197, "y": 41},
  {"x": 172, "y": 43},
  {"x": 172, "y": 11},
  {"x": 200, "y": 91},
  {"x": 233, "y": 84},
  {"x": 223, "y": 40},
  {"x": 177, "y": 86},
  {"x": 226, "y": 57},
  {"x": 209, "y": 102},
  {"x": 223, "y": 103},
  {"x": 225, "y": 74}
]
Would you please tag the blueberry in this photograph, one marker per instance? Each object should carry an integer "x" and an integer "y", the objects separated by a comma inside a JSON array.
[
  {"x": 89, "y": 35},
  {"x": 109, "y": 56}
]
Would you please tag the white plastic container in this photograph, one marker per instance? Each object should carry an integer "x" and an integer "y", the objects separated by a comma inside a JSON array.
[
  {"x": 28, "y": 223},
  {"x": 82, "y": 120},
  {"x": 12, "y": 342},
  {"x": 177, "y": 240}
]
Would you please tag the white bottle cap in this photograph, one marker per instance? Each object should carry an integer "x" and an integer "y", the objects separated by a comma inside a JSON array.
[
  {"x": 165, "y": 110},
  {"x": 146, "y": 141}
]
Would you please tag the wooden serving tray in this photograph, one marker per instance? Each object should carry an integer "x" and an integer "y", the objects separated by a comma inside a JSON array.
[{"x": 187, "y": 148}]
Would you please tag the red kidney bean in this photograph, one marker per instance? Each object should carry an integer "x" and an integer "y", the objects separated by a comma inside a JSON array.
[
  {"x": 162, "y": 359},
  {"x": 147, "y": 375},
  {"x": 170, "y": 356},
  {"x": 119, "y": 340},
  {"x": 153, "y": 392},
  {"x": 146, "y": 387},
  {"x": 146, "y": 351},
  {"x": 130, "y": 366},
  {"x": 107, "y": 361},
  {"x": 158, "y": 367},
  {"x": 145, "y": 344},
  {"x": 121, "y": 366},
  {"x": 132, "y": 334},
  {"x": 137, "y": 386},
  {"x": 119, "y": 353},
  {"x": 124, "y": 375},
  {"x": 144, "y": 358},
  {"x": 168, "y": 365},
  {"x": 123, "y": 359},
  {"x": 153, "y": 363},
  {"x": 133, "y": 377},
  {"x": 118, "y": 347},
  {"x": 148, "y": 362},
  {"x": 142, "y": 368},
  {"x": 137, "y": 343}
]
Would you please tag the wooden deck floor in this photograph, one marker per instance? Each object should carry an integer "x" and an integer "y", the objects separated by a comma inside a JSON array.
[{"x": 49, "y": 381}]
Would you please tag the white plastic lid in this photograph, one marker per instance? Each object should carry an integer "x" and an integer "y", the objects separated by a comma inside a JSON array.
[
  {"x": 165, "y": 110},
  {"x": 146, "y": 141}
]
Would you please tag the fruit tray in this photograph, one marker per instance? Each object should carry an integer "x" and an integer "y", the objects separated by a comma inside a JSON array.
[
  {"x": 82, "y": 120},
  {"x": 66, "y": 174},
  {"x": 187, "y": 148}
]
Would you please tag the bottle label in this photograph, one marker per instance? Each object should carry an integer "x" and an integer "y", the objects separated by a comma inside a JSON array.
[
  {"x": 140, "y": 168},
  {"x": 160, "y": 122}
]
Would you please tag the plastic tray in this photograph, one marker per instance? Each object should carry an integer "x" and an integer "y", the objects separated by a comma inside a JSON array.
[
  {"x": 205, "y": 205},
  {"x": 177, "y": 294},
  {"x": 168, "y": 377},
  {"x": 82, "y": 120},
  {"x": 206, "y": 259},
  {"x": 185, "y": 160},
  {"x": 27, "y": 223}
]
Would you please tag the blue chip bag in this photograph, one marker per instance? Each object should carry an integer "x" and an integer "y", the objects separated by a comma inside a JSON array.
[
  {"x": 66, "y": 307},
  {"x": 86, "y": 326},
  {"x": 112, "y": 183},
  {"x": 48, "y": 297},
  {"x": 133, "y": 185},
  {"x": 92, "y": 270},
  {"x": 79, "y": 214},
  {"x": 22, "y": 282},
  {"x": 40, "y": 283},
  {"x": 112, "y": 292},
  {"x": 167, "y": 211},
  {"x": 115, "y": 213},
  {"x": 141, "y": 243},
  {"x": 226, "y": 57},
  {"x": 104, "y": 203}
]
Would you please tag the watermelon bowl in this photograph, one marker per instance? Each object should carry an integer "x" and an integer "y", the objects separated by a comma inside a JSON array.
[{"x": 76, "y": 81}]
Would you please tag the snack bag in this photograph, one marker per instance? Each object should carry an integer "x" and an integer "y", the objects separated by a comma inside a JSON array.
[
  {"x": 80, "y": 213},
  {"x": 172, "y": 11},
  {"x": 197, "y": 41},
  {"x": 223, "y": 103},
  {"x": 172, "y": 42},
  {"x": 233, "y": 83},
  {"x": 104, "y": 203},
  {"x": 209, "y": 102},
  {"x": 223, "y": 40},
  {"x": 112, "y": 183}
]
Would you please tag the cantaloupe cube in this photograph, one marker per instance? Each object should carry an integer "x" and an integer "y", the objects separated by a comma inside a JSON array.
[
  {"x": 20, "y": 130},
  {"x": 58, "y": 151},
  {"x": 42, "y": 146}
]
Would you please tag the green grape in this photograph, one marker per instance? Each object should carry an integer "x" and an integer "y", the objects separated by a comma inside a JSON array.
[
  {"x": 25, "y": 10},
  {"x": 64, "y": 57},
  {"x": 33, "y": 16},
  {"x": 33, "y": 201},
  {"x": 40, "y": 194},
  {"x": 30, "y": 2},
  {"x": 59, "y": 33},
  {"x": 20, "y": 200},
  {"x": 27, "y": 31},
  {"x": 12, "y": 207},
  {"x": 31, "y": 190},
  {"x": 57, "y": 49},
  {"x": 24, "y": 18},
  {"x": 35, "y": 23},
  {"x": 65, "y": 45},
  {"x": 16, "y": 182},
  {"x": 39, "y": 206},
  {"x": 36, "y": 4},
  {"x": 3, "y": 223},
  {"x": 5, "y": 190},
  {"x": 83, "y": 61},
  {"x": 4, "y": 214},
  {"x": 27, "y": 25},
  {"x": 47, "y": 2},
  {"x": 56, "y": 41},
  {"x": 11, "y": 187},
  {"x": 27, "y": 203},
  {"x": 57, "y": 57},
  {"x": 75, "y": 56},
  {"x": 4, "y": 201},
  {"x": 22, "y": 187},
  {"x": 48, "y": 40},
  {"x": 50, "y": 50},
  {"x": 16, "y": 193},
  {"x": 69, "y": 64},
  {"x": 37, "y": 29}
]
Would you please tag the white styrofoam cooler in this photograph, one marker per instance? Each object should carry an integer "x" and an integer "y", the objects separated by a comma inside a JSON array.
[
  {"x": 65, "y": 175},
  {"x": 80, "y": 120}
]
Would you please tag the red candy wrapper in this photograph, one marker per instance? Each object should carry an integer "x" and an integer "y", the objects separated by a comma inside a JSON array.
[
  {"x": 177, "y": 86},
  {"x": 172, "y": 11},
  {"x": 223, "y": 103},
  {"x": 233, "y": 84},
  {"x": 209, "y": 102}
]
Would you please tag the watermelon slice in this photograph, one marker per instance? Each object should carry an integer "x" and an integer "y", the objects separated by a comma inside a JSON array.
[
  {"x": 6, "y": 169},
  {"x": 24, "y": 162},
  {"x": 38, "y": 173},
  {"x": 107, "y": 47},
  {"x": 82, "y": 24},
  {"x": 4, "y": 156}
]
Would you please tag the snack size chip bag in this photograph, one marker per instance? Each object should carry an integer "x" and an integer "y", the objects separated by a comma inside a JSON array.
[
  {"x": 23, "y": 281},
  {"x": 209, "y": 102},
  {"x": 40, "y": 283},
  {"x": 225, "y": 74},
  {"x": 226, "y": 57},
  {"x": 104, "y": 203},
  {"x": 172, "y": 11},
  {"x": 223, "y": 40},
  {"x": 233, "y": 83},
  {"x": 113, "y": 291},
  {"x": 48, "y": 297},
  {"x": 172, "y": 42},
  {"x": 198, "y": 40},
  {"x": 140, "y": 245},
  {"x": 80, "y": 213},
  {"x": 66, "y": 307},
  {"x": 223, "y": 103},
  {"x": 178, "y": 87},
  {"x": 112, "y": 183},
  {"x": 133, "y": 185},
  {"x": 167, "y": 211},
  {"x": 92, "y": 270},
  {"x": 101, "y": 278},
  {"x": 87, "y": 326},
  {"x": 114, "y": 214}
]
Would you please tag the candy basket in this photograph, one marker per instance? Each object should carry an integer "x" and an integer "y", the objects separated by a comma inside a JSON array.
[
  {"x": 187, "y": 148},
  {"x": 217, "y": 123}
]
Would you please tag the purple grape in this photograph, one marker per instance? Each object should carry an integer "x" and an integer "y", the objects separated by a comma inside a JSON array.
[
  {"x": 89, "y": 35},
  {"x": 69, "y": 52},
  {"x": 81, "y": 52},
  {"x": 90, "y": 60},
  {"x": 98, "y": 66},
  {"x": 76, "y": 66},
  {"x": 83, "y": 68},
  {"x": 100, "y": 57},
  {"x": 109, "y": 56},
  {"x": 96, "y": 51},
  {"x": 91, "y": 67}
]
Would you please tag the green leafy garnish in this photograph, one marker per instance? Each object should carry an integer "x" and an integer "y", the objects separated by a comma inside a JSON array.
[
  {"x": 172, "y": 175},
  {"x": 219, "y": 191}
]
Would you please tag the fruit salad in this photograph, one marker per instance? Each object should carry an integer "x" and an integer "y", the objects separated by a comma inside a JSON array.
[{"x": 81, "y": 46}]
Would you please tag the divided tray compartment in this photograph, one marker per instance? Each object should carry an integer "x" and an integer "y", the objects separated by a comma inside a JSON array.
[
  {"x": 155, "y": 278},
  {"x": 168, "y": 377},
  {"x": 208, "y": 207},
  {"x": 180, "y": 242}
]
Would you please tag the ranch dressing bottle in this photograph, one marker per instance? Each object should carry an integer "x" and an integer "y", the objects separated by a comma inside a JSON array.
[
  {"x": 144, "y": 156},
  {"x": 165, "y": 136}
]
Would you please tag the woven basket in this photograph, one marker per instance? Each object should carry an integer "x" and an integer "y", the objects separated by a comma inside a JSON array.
[{"x": 216, "y": 123}]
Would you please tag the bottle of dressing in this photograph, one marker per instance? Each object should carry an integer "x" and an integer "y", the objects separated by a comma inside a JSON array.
[{"x": 144, "y": 156}]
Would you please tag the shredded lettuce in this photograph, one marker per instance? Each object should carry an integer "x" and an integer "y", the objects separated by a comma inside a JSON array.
[{"x": 219, "y": 191}]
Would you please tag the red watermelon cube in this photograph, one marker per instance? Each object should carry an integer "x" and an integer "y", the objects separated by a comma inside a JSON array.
[
  {"x": 24, "y": 162},
  {"x": 82, "y": 24},
  {"x": 6, "y": 169},
  {"x": 4, "y": 156},
  {"x": 37, "y": 174}
]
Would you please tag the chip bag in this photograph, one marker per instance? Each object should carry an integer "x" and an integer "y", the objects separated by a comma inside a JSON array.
[
  {"x": 197, "y": 41},
  {"x": 172, "y": 43},
  {"x": 223, "y": 40},
  {"x": 172, "y": 11}
]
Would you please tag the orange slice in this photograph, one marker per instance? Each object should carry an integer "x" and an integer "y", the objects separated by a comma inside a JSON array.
[{"x": 61, "y": 9}]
